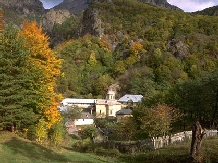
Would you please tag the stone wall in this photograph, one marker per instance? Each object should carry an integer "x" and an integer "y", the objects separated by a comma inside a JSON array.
[{"x": 154, "y": 143}]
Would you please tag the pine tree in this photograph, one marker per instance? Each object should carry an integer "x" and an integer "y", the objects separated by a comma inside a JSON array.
[{"x": 15, "y": 81}]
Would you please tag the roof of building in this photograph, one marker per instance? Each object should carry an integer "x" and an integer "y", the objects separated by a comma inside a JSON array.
[
  {"x": 78, "y": 101},
  {"x": 124, "y": 112},
  {"x": 107, "y": 102},
  {"x": 134, "y": 98}
]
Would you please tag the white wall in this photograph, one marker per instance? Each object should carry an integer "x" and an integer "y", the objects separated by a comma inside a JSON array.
[{"x": 84, "y": 122}]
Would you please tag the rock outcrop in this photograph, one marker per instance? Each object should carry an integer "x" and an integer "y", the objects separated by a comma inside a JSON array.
[
  {"x": 179, "y": 49},
  {"x": 25, "y": 7},
  {"x": 54, "y": 16},
  {"x": 91, "y": 23}
]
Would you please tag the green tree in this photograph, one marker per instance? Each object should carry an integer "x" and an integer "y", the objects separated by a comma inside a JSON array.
[
  {"x": 119, "y": 68},
  {"x": 88, "y": 132},
  {"x": 126, "y": 129},
  {"x": 72, "y": 113},
  {"x": 92, "y": 59},
  {"x": 16, "y": 94},
  {"x": 100, "y": 86},
  {"x": 56, "y": 133}
]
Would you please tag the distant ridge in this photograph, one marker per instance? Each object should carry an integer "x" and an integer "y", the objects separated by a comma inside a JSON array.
[{"x": 211, "y": 11}]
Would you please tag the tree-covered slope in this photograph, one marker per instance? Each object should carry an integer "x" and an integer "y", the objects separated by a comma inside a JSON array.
[
  {"x": 211, "y": 11},
  {"x": 145, "y": 49}
]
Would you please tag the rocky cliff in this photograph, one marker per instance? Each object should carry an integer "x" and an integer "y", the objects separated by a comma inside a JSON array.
[
  {"x": 54, "y": 16},
  {"x": 59, "y": 13},
  {"x": 178, "y": 49},
  {"x": 91, "y": 23},
  {"x": 25, "y": 7},
  {"x": 73, "y": 6},
  {"x": 162, "y": 3}
]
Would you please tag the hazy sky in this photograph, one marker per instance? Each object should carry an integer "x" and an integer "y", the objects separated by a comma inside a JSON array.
[
  {"x": 50, "y": 3},
  {"x": 193, "y": 5},
  {"x": 186, "y": 5}
]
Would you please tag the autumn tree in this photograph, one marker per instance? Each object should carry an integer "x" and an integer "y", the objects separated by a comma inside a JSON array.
[
  {"x": 157, "y": 121},
  {"x": 1, "y": 20},
  {"x": 136, "y": 48},
  {"x": 44, "y": 59}
]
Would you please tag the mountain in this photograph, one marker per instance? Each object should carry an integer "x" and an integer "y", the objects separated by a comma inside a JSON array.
[
  {"x": 34, "y": 10},
  {"x": 25, "y": 7},
  {"x": 211, "y": 11},
  {"x": 77, "y": 6},
  {"x": 73, "y": 6},
  {"x": 162, "y": 3},
  {"x": 144, "y": 47}
]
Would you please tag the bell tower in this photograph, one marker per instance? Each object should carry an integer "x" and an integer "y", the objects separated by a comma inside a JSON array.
[{"x": 110, "y": 94}]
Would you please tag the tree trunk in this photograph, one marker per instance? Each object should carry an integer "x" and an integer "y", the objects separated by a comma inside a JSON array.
[{"x": 197, "y": 136}]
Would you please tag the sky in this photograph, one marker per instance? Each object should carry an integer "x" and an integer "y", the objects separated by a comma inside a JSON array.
[
  {"x": 186, "y": 5},
  {"x": 50, "y": 3},
  {"x": 193, "y": 5}
]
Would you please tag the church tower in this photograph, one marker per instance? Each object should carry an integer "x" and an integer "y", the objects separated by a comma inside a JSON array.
[{"x": 110, "y": 95}]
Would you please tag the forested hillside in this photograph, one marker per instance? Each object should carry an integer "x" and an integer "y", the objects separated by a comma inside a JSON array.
[
  {"x": 212, "y": 11},
  {"x": 166, "y": 56},
  {"x": 145, "y": 49}
]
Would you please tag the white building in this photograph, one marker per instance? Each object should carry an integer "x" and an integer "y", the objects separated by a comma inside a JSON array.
[
  {"x": 84, "y": 103},
  {"x": 102, "y": 108},
  {"x": 85, "y": 119},
  {"x": 74, "y": 126},
  {"x": 107, "y": 108}
]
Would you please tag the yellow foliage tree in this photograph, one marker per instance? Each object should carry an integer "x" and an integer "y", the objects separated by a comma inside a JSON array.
[
  {"x": 43, "y": 58},
  {"x": 105, "y": 45}
]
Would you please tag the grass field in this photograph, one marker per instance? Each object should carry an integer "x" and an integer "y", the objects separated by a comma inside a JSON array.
[{"x": 14, "y": 149}]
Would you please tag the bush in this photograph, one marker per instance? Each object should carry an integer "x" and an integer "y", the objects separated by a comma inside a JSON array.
[
  {"x": 31, "y": 133},
  {"x": 41, "y": 131},
  {"x": 107, "y": 152},
  {"x": 56, "y": 134},
  {"x": 88, "y": 132},
  {"x": 80, "y": 146}
]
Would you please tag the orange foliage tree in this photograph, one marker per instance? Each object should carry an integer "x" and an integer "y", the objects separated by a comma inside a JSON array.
[
  {"x": 135, "y": 48},
  {"x": 1, "y": 20},
  {"x": 43, "y": 58}
]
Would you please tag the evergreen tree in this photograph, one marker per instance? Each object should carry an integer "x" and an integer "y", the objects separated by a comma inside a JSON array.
[{"x": 16, "y": 95}]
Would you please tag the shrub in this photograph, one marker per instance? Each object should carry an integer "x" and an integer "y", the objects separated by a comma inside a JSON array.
[
  {"x": 56, "y": 133},
  {"x": 41, "y": 131},
  {"x": 107, "y": 152}
]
